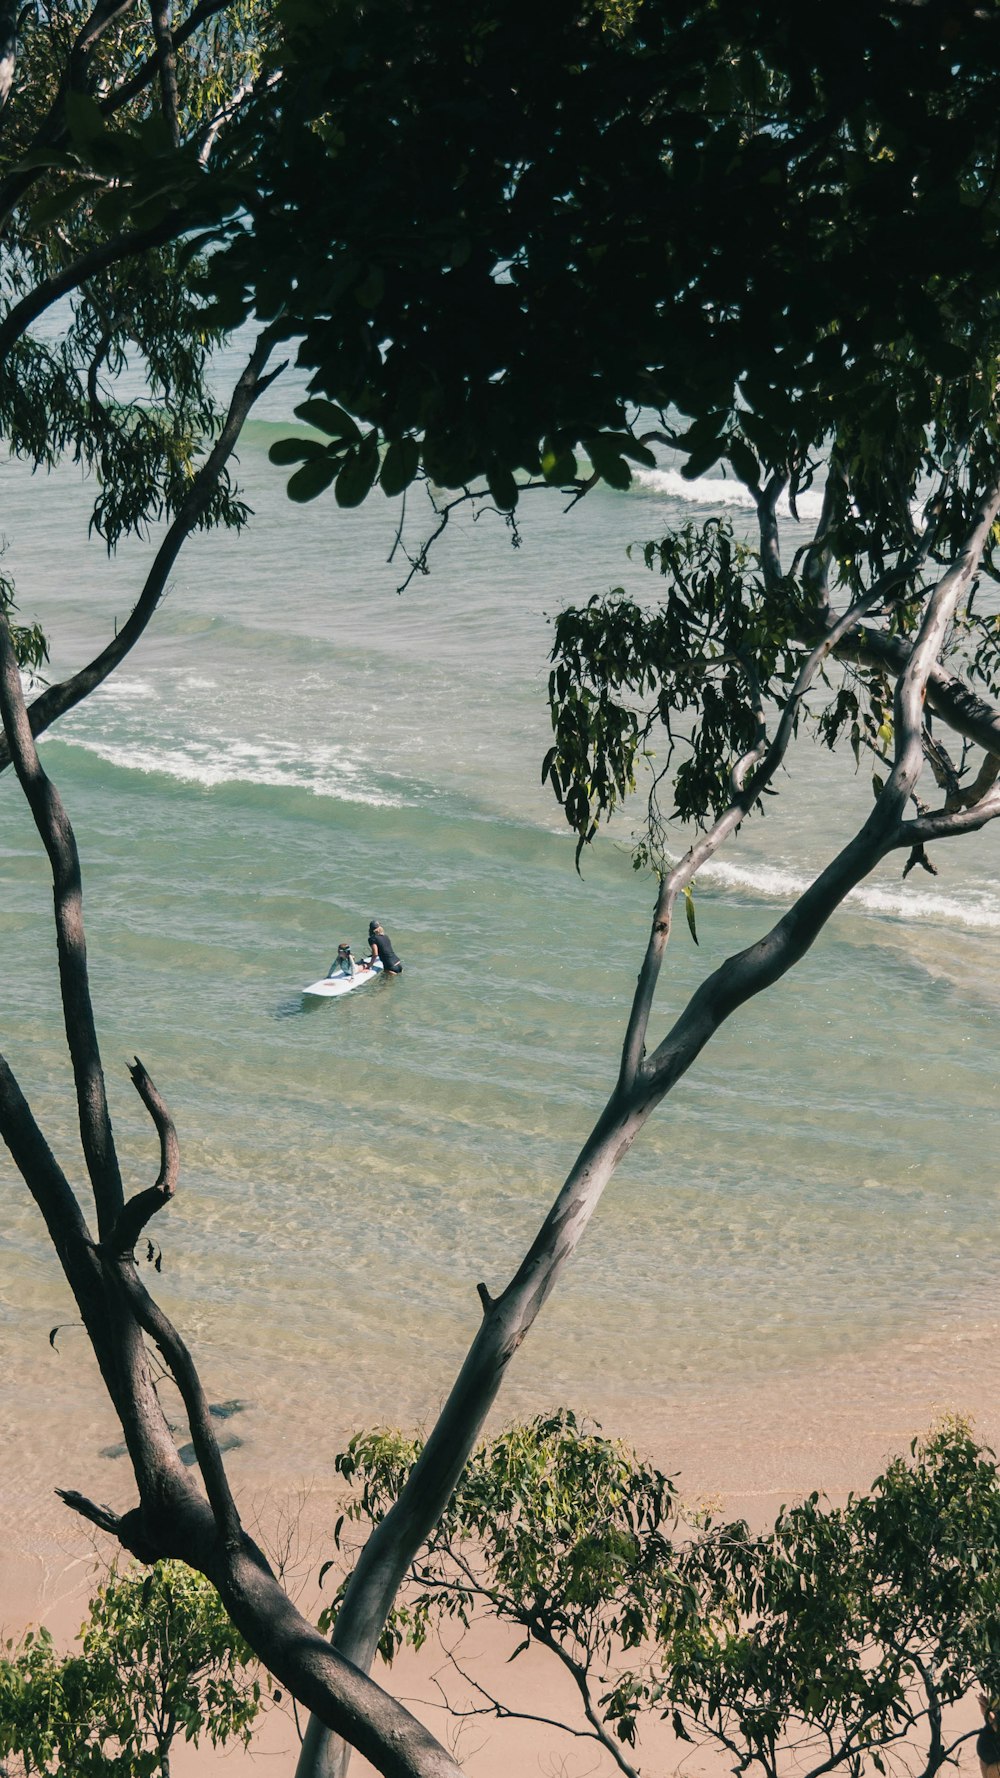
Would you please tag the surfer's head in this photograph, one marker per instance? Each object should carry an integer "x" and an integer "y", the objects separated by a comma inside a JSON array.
[
  {"x": 374, "y": 926},
  {"x": 343, "y": 950}
]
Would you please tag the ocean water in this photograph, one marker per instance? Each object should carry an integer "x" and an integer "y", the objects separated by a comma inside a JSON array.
[{"x": 295, "y": 747}]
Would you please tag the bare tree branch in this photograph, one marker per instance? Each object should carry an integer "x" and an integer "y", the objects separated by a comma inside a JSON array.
[
  {"x": 140, "y": 1209},
  {"x": 177, "y": 1357},
  {"x": 59, "y": 841},
  {"x": 57, "y": 699},
  {"x": 389, "y": 1551},
  {"x": 767, "y": 518},
  {"x": 47, "y": 291},
  {"x": 64, "y": 1219},
  {"x": 817, "y": 555},
  {"x": 166, "y": 56}
]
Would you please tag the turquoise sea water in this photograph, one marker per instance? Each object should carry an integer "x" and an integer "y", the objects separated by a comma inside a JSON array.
[{"x": 294, "y": 748}]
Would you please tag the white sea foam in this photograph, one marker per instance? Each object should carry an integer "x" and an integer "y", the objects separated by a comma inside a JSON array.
[
  {"x": 773, "y": 883},
  {"x": 718, "y": 491},
  {"x": 125, "y": 691},
  {"x": 211, "y": 764}
]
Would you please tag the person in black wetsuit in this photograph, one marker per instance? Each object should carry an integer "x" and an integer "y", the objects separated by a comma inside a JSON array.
[{"x": 381, "y": 948}]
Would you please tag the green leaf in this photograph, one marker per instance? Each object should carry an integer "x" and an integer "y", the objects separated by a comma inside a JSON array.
[
  {"x": 743, "y": 461},
  {"x": 502, "y": 486},
  {"x": 327, "y": 417},
  {"x": 634, "y": 448},
  {"x": 605, "y": 454},
  {"x": 56, "y": 204},
  {"x": 558, "y": 464},
  {"x": 84, "y": 119},
  {"x": 689, "y": 911},
  {"x": 46, "y": 157},
  {"x": 313, "y": 478},
  {"x": 399, "y": 466},
  {"x": 702, "y": 460},
  {"x": 295, "y": 450},
  {"x": 355, "y": 480}
]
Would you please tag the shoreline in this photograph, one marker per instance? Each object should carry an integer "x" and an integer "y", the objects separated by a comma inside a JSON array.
[
  {"x": 828, "y": 1426},
  {"x": 748, "y": 1450}
]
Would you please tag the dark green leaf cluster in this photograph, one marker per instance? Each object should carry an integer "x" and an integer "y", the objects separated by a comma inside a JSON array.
[
  {"x": 695, "y": 671},
  {"x": 31, "y": 648},
  {"x": 841, "y": 1634},
  {"x": 567, "y": 1526},
  {"x": 789, "y": 237},
  {"x": 159, "y": 1659},
  {"x": 116, "y": 376},
  {"x": 847, "y": 1629}
]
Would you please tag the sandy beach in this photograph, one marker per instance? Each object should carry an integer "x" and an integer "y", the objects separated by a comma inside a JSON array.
[{"x": 826, "y": 1427}]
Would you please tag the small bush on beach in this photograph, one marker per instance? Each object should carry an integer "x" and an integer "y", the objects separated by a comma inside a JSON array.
[
  {"x": 159, "y": 1659},
  {"x": 837, "y": 1640}
]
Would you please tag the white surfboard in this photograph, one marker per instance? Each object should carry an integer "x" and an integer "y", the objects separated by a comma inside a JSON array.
[{"x": 331, "y": 987}]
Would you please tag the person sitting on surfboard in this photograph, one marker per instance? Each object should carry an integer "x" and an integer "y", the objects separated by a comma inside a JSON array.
[
  {"x": 381, "y": 948},
  {"x": 343, "y": 963}
]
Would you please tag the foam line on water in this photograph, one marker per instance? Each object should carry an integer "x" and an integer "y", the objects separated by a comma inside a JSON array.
[
  {"x": 212, "y": 764},
  {"x": 774, "y": 883},
  {"x": 718, "y": 491}
]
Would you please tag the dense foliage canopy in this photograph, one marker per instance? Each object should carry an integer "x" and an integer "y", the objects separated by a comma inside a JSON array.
[
  {"x": 835, "y": 1640},
  {"x": 502, "y": 234},
  {"x": 159, "y": 1660}
]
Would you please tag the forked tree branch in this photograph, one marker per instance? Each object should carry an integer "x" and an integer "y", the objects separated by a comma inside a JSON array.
[
  {"x": 508, "y": 1318},
  {"x": 181, "y": 1366},
  {"x": 133, "y": 86},
  {"x": 751, "y": 776},
  {"x": 173, "y": 1518},
  {"x": 67, "y": 693},
  {"x": 52, "y": 132}
]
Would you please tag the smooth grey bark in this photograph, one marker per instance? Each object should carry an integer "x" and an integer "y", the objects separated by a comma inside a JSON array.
[
  {"x": 645, "y": 1080},
  {"x": 173, "y": 1517}
]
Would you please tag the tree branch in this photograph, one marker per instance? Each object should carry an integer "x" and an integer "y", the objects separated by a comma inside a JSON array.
[
  {"x": 578, "y": 1674},
  {"x": 59, "y": 841},
  {"x": 767, "y": 759},
  {"x": 49, "y": 290},
  {"x": 53, "y": 133},
  {"x": 387, "y": 1555},
  {"x": 166, "y": 56},
  {"x": 64, "y": 1219},
  {"x": 57, "y": 699},
  {"x": 767, "y": 518},
  {"x": 179, "y": 1362},
  {"x": 131, "y": 88},
  {"x": 144, "y": 1205},
  {"x": 818, "y": 555},
  {"x": 101, "y": 1516}
]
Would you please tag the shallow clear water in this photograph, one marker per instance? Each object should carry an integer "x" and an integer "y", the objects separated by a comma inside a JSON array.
[{"x": 294, "y": 748}]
